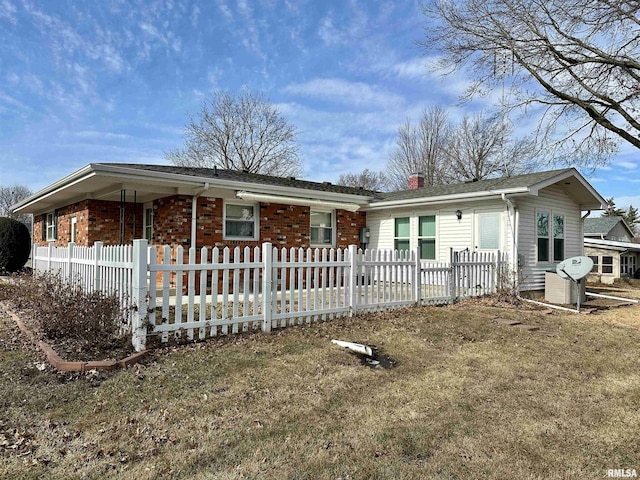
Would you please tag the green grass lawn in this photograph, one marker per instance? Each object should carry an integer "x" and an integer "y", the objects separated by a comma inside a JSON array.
[{"x": 467, "y": 399}]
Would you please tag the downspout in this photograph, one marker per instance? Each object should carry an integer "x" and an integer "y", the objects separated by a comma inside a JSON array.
[
  {"x": 514, "y": 227},
  {"x": 582, "y": 225},
  {"x": 194, "y": 205}
]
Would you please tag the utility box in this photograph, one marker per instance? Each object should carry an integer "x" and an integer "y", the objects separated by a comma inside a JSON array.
[{"x": 562, "y": 290}]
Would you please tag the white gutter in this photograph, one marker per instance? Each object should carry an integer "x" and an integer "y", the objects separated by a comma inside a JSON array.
[
  {"x": 444, "y": 198},
  {"x": 306, "y": 202},
  {"x": 194, "y": 206}
]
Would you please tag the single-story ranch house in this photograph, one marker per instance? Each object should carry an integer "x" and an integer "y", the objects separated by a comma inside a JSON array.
[
  {"x": 536, "y": 218},
  {"x": 608, "y": 241}
]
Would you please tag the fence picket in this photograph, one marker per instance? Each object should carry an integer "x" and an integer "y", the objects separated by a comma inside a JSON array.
[{"x": 296, "y": 285}]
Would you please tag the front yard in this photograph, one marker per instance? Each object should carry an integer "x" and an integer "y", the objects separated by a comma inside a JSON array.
[{"x": 467, "y": 398}]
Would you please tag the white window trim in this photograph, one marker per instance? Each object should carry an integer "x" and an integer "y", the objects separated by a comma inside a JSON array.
[
  {"x": 256, "y": 221},
  {"x": 551, "y": 238},
  {"x": 435, "y": 237},
  {"x": 334, "y": 228},
  {"x": 612, "y": 265},
  {"x": 145, "y": 207},
  {"x": 50, "y": 226},
  {"x": 411, "y": 220},
  {"x": 73, "y": 227},
  {"x": 500, "y": 231},
  {"x": 552, "y": 220}
]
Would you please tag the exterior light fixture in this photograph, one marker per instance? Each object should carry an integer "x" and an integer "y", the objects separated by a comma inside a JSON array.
[{"x": 459, "y": 214}]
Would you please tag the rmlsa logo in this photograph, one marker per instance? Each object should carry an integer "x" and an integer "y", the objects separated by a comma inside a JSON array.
[{"x": 622, "y": 473}]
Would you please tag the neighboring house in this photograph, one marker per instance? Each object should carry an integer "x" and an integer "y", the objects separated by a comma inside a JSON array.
[
  {"x": 535, "y": 218},
  {"x": 607, "y": 240},
  {"x": 608, "y": 228}
]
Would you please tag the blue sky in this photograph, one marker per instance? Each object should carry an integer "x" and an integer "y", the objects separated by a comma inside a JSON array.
[{"x": 113, "y": 81}]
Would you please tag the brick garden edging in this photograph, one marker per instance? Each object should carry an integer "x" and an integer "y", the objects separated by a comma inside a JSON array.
[{"x": 63, "y": 366}]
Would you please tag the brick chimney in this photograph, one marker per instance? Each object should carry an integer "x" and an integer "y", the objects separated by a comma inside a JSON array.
[{"x": 416, "y": 180}]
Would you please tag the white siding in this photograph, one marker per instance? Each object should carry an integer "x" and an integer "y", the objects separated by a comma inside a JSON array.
[
  {"x": 554, "y": 201},
  {"x": 450, "y": 232}
]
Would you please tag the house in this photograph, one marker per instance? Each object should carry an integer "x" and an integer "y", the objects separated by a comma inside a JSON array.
[
  {"x": 608, "y": 241},
  {"x": 608, "y": 228},
  {"x": 536, "y": 218}
]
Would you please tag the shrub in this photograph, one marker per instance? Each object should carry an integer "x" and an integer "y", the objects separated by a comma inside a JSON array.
[
  {"x": 15, "y": 244},
  {"x": 60, "y": 311}
]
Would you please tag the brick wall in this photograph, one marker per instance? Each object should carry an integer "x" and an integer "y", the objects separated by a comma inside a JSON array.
[
  {"x": 95, "y": 220},
  {"x": 104, "y": 221},
  {"x": 283, "y": 225}
]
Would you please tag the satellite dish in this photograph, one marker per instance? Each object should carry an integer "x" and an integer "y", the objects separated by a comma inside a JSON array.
[{"x": 574, "y": 268}]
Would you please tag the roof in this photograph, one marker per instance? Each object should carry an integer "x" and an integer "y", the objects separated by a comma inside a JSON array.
[
  {"x": 603, "y": 225},
  {"x": 247, "y": 177},
  {"x": 144, "y": 183},
  {"x": 612, "y": 244},
  {"x": 492, "y": 184},
  {"x": 568, "y": 179}
]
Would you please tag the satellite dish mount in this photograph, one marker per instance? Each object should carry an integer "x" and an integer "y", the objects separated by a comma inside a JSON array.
[{"x": 575, "y": 269}]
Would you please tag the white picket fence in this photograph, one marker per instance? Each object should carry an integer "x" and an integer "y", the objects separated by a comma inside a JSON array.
[{"x": 222, "y": 291}]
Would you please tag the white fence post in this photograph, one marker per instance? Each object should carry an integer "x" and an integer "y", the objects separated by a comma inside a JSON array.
[
  {"x": 417, "y": 278},
  {"x": 69, "y": 262},
  {"x": 97, "y": 274},
  {"x": 453, "y": 280},
  {"x": 139, "y": 298},
  {"x": 267, "y": 283},
  {"x": 49, "y": 255},
  {"x": 353, "y": 279}
]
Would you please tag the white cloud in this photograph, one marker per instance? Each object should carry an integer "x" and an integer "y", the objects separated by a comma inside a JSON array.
[
  {"x": 94, "y": 134},
  {"x": 195, "y": 13},
  {"x": 226, "y": 11},
  {"x": 626, "y": 164},
  {"x": 357, "y": 94},
  {"x": 8, "y": 12},
  {"x": 412, "y": 69}
]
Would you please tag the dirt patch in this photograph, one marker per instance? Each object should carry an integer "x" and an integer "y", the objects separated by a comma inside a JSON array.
[{"x": 80, "y": 351}]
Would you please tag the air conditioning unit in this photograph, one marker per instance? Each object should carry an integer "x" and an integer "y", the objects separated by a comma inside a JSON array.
[{"x": 562, "y": 290}]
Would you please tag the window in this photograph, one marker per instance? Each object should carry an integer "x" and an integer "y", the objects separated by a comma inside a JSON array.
[
  {"x": 550, "y": 237},
  {"x": 627, "y": 265},
  {"x": 542, "y": 230},
  {"x": 321, "y": 228},
  {"x": 401, "y": 233},
  {"x": 51, "y": 226},
  {"x": 74, "y": 229},
  {"x": 148, "y": 223},
  {"x": 489, "y": 231},
  {"x": 594, "y": 258},
  {"x": 240, "y": 222},
  {"x": 427, "y": 237},
  {"x": 558, "y": 238},
  {"x": 607, "y": 264}
]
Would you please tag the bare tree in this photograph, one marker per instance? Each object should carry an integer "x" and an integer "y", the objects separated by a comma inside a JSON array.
[
  {"x": 367, "y": 179},
  {"x": 576, "y": 60},
  {"x": 482, "y": 146},
  {"x": 420, "y": 148},
  {"x": 240, "y": 132},
  {"x": 11, "y": 195}
]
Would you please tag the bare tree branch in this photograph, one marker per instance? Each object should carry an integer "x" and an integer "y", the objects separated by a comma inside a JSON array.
[
  {"x": 243, "y": 132},
  {"x": 577, "y": 59},
  {"x": 367, "y": 179},
  {"x": 11, "y": 195}
]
